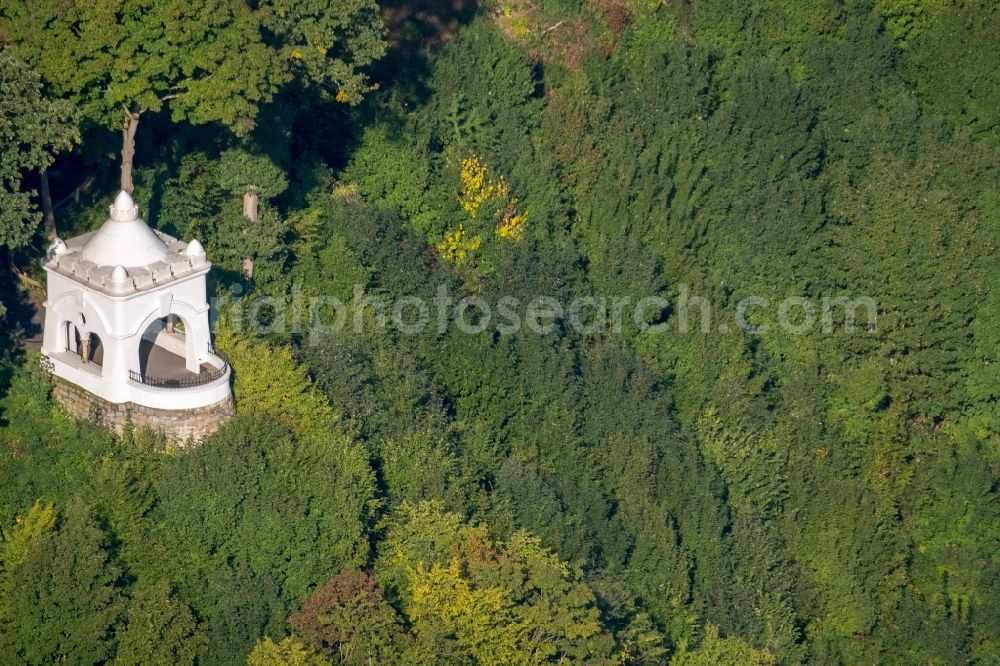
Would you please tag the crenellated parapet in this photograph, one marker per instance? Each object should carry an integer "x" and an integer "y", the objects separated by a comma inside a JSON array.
[{"x": 180, "y": 260}]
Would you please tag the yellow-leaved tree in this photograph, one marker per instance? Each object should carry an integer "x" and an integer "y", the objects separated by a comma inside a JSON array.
[
  {"x": 495, "y": 602},
  {"x": 289, "y": 652}
]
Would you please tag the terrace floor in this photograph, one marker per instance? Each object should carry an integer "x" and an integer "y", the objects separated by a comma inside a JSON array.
[{"x": 155, "y": 361}]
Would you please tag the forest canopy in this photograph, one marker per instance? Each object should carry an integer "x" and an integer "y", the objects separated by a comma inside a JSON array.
[{"x": 653, "y": 489}]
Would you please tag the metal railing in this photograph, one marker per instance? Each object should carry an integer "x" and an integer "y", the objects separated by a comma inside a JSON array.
[{"x": 200, "y": 379}]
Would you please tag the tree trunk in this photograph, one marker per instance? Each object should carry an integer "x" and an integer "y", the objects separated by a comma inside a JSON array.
[
  {"x": 129, "y": 127},
  {"x": 251, "y": 202},
  {"x": 251, "y": 205},
  {"x": 48, "y": 210}
]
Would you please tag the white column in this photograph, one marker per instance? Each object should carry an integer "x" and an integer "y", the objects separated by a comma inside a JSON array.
[
  {"x": 116, "y": 358},
  {"x": 55, "y": 338},
  {"x": 191, "y": 359}
]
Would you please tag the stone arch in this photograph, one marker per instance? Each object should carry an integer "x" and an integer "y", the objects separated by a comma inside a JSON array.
[
  {"x": 67, "y": 334},
  {"x": 95, "y": 349},
  {"x": 74, "y": 308},
  {"x": 179, "y": 309},
  {"x": 88, "y": 345}
]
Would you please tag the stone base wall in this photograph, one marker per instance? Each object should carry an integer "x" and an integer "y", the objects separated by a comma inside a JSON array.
[{"x": 180, "y": 426}]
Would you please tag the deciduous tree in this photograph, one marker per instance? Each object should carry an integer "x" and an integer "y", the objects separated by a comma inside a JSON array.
[
  {"x": 59, "y": 598},
  {"x": 349, "y": 619},
  {"x": 33, "y": 128},
  {"x": 158, "y": 629},
  {"x": 215, "y": 61}
]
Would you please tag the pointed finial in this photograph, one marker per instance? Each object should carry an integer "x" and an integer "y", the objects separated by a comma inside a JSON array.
[
  {"x": 119, "y": 282},
  {"x": 124, "y": 208},
  {"x": 194, "y": 248}
]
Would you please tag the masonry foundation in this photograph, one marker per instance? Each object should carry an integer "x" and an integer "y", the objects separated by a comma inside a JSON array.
[{"x": 180, "y": 426}]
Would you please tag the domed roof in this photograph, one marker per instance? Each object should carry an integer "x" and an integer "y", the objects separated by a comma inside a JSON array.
[{"x": 124, "y": 239}]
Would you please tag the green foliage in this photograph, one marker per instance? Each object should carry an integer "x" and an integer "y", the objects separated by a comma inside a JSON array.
[
  {"x": 240, "y": 172},
  {"x": 955, "y": 529},
  {"x": 48, "y": 455},
  {"x": 324, "y": 263},
  {"x": 59, "y": 599},
  {"x": 327, "y": 45},
  {"x": 91, "y": 53},
  {"x": 205, "y": 200},
  {"x": 158, "y": 629},
  {"x": 289, "y": 652},
  {"x": 395, "y": 174},
  {"x": 469, "y": 597},
  {"x": 960, "y": 84},
  {"x": 33, "y": 127},
  {"x": 247, "y": 522},
  {"x": 235, "y": 238},
  {"x": 751, "y": 465},
  {"x": 18, "y": 539},
  {"x": 279, "y": 388},
  {"x": 686, "y": 496},
  {"x": 720, "y": 652},
  {"x": 348, "y": 619},
  {"x": 234, "y": 482},
  {"x": 906, "y": 19}
]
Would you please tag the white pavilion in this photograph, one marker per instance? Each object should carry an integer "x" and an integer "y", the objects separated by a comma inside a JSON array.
[{"x": 126, "y": 321}]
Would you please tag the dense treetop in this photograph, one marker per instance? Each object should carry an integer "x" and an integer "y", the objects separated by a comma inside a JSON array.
[{"x": 605, "y": 496}]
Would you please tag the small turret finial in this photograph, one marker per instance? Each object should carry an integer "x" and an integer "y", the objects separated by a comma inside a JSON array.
[
  {"x": 124, "y": 208},
  {"x": 194, "y": 248}
]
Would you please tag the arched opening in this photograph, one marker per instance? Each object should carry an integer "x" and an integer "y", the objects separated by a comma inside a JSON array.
[
  {"x": 164, "y": 350},
  {"x": 171, "y": 353},
  {"x": 89, "y": 348}
]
